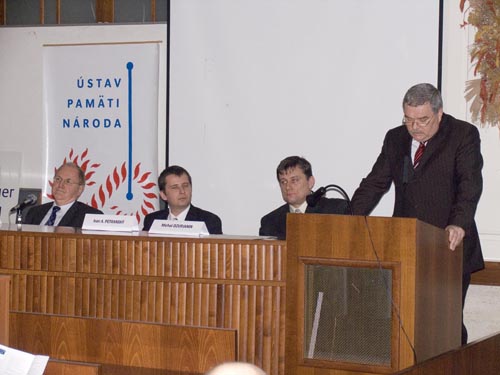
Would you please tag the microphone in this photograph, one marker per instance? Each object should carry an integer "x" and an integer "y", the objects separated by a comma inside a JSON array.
[
  {"x": 313, "y": 198},
  {"x": 406, "y": 166},
  {"x": 28, "y": 201}
]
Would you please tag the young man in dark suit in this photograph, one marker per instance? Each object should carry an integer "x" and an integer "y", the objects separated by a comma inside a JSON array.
[
  {"x": 435, "y": 162},
  {"x": 175, "y": 187},
  {"x": 296, "y": 180},
  {"x": 66, "y": 211}
]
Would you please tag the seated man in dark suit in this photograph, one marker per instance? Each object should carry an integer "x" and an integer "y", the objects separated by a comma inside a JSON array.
[
  {"x": 296, "y": 181},
  {"x": 175, "y": 187},
  {"x": 67, "y": 186}
]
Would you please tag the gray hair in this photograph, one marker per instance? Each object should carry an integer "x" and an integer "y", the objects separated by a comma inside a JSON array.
[
  {"x": 424, "y": 93},
  {"x": 81, "y": 173}
]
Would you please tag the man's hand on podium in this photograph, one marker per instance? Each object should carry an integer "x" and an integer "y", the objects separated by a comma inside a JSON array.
[{"x": 455, "y": 235}]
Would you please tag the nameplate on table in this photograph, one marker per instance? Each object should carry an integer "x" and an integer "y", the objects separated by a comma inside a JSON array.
[
  {"x": 116, "y": 223},
  {"x": 179, "y": 228}
]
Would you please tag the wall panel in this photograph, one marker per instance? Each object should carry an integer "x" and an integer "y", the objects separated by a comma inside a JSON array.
[{"x": 220, "y": 283}]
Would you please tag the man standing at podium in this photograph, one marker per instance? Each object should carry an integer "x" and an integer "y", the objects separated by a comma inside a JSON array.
[
  {"x": 296, "y": 181},
  {"x": 435, "y": 162},
  {"x": 176, "y": 190}
]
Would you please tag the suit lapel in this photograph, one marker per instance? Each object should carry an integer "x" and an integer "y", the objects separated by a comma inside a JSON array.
[
  {"x": 43, "y": 212},
  {"x": 68, "y": 217},
  {"x": 191, "y": 215},
  {"x": 403, "y": 157}
]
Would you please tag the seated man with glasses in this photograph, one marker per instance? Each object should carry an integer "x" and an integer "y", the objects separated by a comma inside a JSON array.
[
  {"x": 67, "y": 186},
  {"x": 435, "y": 162}
]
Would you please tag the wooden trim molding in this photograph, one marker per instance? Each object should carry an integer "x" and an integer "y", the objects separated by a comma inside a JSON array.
[
  {"x": 58, "y": 367},
  {"x": 490, "y": 275},
  {"x": 105, "y": 11},
  {"x": 2, "y": 12},
  {"x": 478, "y": 357}
]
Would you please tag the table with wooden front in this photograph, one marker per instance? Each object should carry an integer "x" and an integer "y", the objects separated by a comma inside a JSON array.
[{"x": 216, "y": 281}]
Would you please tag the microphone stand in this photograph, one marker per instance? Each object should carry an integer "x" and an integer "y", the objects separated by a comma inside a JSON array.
[
  {"x": 341, "y": 191},
  {"x": 19, "y": 216}
]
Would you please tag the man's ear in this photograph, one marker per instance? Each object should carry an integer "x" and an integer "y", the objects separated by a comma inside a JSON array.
[
  {"x": 440, "y": 115},
  {"x": 163, "y": 196},
  {"x": 311, "y": 181},
  {"x": 81, "y": 188}
]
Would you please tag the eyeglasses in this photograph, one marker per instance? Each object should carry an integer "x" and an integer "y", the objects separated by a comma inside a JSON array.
[
  {"x": 58, "y": 180},
  {"x": 418, "y": 121}
]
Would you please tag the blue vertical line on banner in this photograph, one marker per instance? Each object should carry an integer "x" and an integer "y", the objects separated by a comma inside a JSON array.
[{"x": 130, "y": 195}]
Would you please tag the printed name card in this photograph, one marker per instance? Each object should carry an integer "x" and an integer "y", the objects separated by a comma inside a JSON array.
[
  {"x": 179, "y": 228},
  {"x": 117, "y": 223}
]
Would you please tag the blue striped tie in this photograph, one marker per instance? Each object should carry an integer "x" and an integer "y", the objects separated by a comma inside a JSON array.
[{"x": 52, "y": 218}]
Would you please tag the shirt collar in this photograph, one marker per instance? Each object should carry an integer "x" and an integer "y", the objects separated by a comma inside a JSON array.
[
  {"x": 181, "y": 216},
  {"x": 302, "y": 207}
]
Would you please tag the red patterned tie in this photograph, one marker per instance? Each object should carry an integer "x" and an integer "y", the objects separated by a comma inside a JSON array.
[{"x": 418, "y": 154}]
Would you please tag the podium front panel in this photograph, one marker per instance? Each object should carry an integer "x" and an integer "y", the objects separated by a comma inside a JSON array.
[
  {"x": 347, "y": 314},
  {"x": 368, "y": 295}
]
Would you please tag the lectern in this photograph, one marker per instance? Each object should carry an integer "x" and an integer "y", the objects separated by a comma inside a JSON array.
[{"x": 368, "y": 295}]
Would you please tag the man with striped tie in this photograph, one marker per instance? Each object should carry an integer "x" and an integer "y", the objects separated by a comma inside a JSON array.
[
  {"x": 435, "y": 163},
  {"x": 67, "y": 186}
]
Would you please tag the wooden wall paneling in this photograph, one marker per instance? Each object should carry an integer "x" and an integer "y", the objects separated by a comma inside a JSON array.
[
  {"x": 490, "y": 275},
  {"x": 2, "y": 12},
  {"x": 58, "y": 367},
  {"x": 211, "y": 282},
  {"x": 153, "y": 10},
  {"x": 155, "y": 346},
  {"x": 4, "y": 309},
  {"x": 478, "y": 357},
  {"x": 105, "y": 10}
]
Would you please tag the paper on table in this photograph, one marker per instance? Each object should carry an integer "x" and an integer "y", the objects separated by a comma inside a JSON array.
[{"x": 16, "y": 362}]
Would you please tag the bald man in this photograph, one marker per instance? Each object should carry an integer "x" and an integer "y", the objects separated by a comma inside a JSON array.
[{"x": 236, "y": 368}]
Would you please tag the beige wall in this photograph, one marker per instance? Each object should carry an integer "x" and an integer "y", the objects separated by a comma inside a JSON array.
[{"x": 456, "y": 70}]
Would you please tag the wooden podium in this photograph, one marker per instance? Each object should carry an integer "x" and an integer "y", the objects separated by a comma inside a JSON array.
[{"x": 368, "y": 295}]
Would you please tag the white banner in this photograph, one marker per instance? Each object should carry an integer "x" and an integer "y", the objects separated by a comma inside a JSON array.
[
  {"x": 10, "y": 172},
  {"x": 101, "y": 109}
]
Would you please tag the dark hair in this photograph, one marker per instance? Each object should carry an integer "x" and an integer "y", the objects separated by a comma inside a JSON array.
[
  {"x": 293, "y": 162},
  {"x": 173, "y": 169},
  {"x": 81, "y": 173},
  {"x": 424, "y": 93}
]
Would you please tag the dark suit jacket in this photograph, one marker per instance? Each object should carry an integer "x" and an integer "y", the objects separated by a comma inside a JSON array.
[
  {"x": 73, "y": 218},
  {"x": 274, "y": 223},
  {"x": 443, "y": 190},
  {"x": 212, "y": 221}
]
